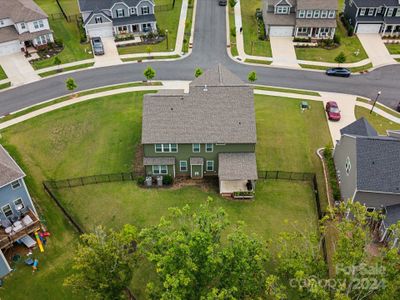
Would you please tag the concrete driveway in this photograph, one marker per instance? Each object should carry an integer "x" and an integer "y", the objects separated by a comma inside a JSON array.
[
  {"x": 18, "y": 69},
  {"x": 110, "y": 56},
  {"x": 283, "y": 52},
  {"x": 376, "y": 49}
]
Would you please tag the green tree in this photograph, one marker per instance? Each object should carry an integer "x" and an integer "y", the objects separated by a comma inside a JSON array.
[
  {"x": 70, "y": 84},
  {"x": 341, "y": 58},
  {"x": 252, "y": 77},
  {"x": 104, "y": 263},
  {"x": 232, "y": 3},
  {"x": 198, "y": 72},
  {"x": 149, "y": 73},
  {"x": 192, "y": 262}
]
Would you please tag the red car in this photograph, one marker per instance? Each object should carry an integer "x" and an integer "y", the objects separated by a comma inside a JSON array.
[{"x": 332, "y": 109}]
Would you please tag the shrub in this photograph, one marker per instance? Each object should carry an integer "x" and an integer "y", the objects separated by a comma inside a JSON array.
[
  {"x": 302, "y": 40},
  {"x": 167, "y": 180},
  {"x": 261, "y": 30},
  {"x": 232, "y": 3},
  {"x": 336, "y": 39},
  {"x": 332, "y": 173},
  {"x": 347, "y": 25},
  {"x": 141, "y": 180},
  {"x": 59, "y": 42}
]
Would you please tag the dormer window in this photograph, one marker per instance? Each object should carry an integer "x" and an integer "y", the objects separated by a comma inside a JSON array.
[
  {"x": 309, "y": 14},
  {"x": 362, "y": 11},
  {"x": 145, "y": 10},
  {"x": 317, "y": 14},
  {"x": 120, "y": 13},
  {"x": 98, "y": 20},
  {"x": 133, "y": 11},
  {"x": 332, "y": 14},
  {"x": 371, "y": 12},
  {"x": 302, "y": 14},
  {"x": 324, "y": 14},
  {"x": 390, "y": 12},
  {"x": 281, "y": 10},
  {"x": 23, "y": 26}
]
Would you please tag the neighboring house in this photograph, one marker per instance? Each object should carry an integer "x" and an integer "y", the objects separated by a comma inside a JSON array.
[
  {"x": 23, "y": 24},
  {"x": 368, "y": 168},
  {"x": 314, "y": 19},
  {"x": 210, "y": 131},
  {"x": 18, "y": 216},
  {"x": 374, "y": 16},
  {"x": 107, "y": 18}
]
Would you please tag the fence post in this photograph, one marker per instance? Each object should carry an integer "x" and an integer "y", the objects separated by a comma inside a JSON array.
[
  {"x": 82, "y": 181},
  {"x": 69, "y": 184},
  {"x": 277, "y": 174}
]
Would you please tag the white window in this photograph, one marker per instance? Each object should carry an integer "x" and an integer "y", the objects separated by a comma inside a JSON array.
[
  {"x": 282, "y": 9},
  {"x": 98, "y": 20},
  {"x": 323, "y": 31},
  {"x": 183, "y": 166},
  {"x": 196, "y": 148},
  {"x": 210, "y": 165},
  {"x": 209, "y": 147},
  {"x": 302, "y": 30},
  {"x": 390, "y": 12},
  {"x": 1, "y": 22},
  {"x": 371, "y": 12},
  {"x": 146, "y": 27},
  {"x": 168, "y": 148},
  {"x": 302, "y": 13},
  {"x": 309, "y": 14},
  {"x": 19, "y": 205},
  {"x": 157, "y": 170},
  {"x": 348, "y": 165},
  {"x": 145, "y": 10},
  {"x": 324, "y": 14},
  {"x": 42, "y": 40},
  {"x": 23, "y": 26},
  {"x": 36, "y": 25},
  {"x": 317, "y": 14},
  {"x": 15, "y": 184},
  {"x": 398, "y": 12},
  {"x": 41, "y": 25},
  {"x": 120, "y": 13},
  {"x": 7, "y": 211},
  {"x": 332, "y": 14},
  {"x": 362, "y": 11},
  {"x": 133, "y": 11}
]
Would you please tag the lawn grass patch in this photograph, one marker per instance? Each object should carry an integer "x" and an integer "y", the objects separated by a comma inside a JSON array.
[
  {"x": 68, "y": 32},
  {"x": 150, "y": 58},
  {"x": 393, "y": 48},
  {"x": 165, "y": 20},
  {"x": 82, "y": 66},
  {"x": 252, "y": 44},
  {"x": 3, "y": 74},
  {"x": 188, "y": 27},
  {"x": 353, "y": 70},
  {"x": 349, "y": 46},
  {"x": 258, "y": 61},
  {"x": 232, "y": 32},
  {"x": 5, "y": 85},
  {"x": 380, "y": 123},
  {"x": 283, "y": 90},
  {"x": 380, "y": 106}
]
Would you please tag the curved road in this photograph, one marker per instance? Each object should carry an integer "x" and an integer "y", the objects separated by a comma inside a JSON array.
[{"x": 209, "y": 49}]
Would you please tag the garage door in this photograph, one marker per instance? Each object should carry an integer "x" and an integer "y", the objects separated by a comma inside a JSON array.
[
  {"x": 103, "y": 31},
  {"x": 10, "y": 48},
  {"x": 281, "y": 31},
  {"x": 369, "y": 28}
]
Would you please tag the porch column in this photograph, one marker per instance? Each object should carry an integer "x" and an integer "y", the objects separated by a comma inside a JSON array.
[
  {"x": 319, "y": 32},
  {"x": 384, "y": 30},
  {"x": 383, "y": 236},
  {"x": 393, "y": 28},
  {"x": 395, "y": 242},
  {"x": 296, "y": 32}
]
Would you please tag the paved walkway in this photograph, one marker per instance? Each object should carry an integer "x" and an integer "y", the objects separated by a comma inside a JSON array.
[
  {"x": 376, "y": 49},
  {"x": 18, "y": 69},
  {"x": 283, "y": 52}
]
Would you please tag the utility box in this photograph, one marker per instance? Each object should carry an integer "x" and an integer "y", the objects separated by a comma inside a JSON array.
[
  {"x": 159, "y": 180},
  {"x": 149, "y": 181}
]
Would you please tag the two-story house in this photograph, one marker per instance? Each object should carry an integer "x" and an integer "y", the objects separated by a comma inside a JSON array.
[
  {"x": 374, "y": 16},
  {"x": 107, "y": 18},
  {"x": 23, "y": 24},
  {"x": 18, "y": 216},
  {"x": 314, "y": 19},
  {"x": 210, "y": 131},
  {"x": 368, "y": 168}
]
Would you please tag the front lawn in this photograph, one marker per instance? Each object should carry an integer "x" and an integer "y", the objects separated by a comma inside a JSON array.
[
  {"x": 3, "y": 74},
  {"x": 168, "y": 19},
  {"x": 349, "y": 46},
  {"x": 380, "y": 123},
  {"x": 393, "y": 48},
  {"x": 68, "y": 32},
  {"x": 252, "y": 45}
]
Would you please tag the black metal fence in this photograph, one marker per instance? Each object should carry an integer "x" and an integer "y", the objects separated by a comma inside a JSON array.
[{"x": 285, "y": 175}]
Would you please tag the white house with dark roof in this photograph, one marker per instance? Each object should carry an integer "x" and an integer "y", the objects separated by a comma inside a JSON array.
[
  {"x": 23, "y": 24},
  {"x": 107, "y": 18},
  {"x": 18, "y": 216}
]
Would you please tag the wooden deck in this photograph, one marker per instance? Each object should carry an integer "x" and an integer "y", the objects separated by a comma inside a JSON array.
[{"x": 7, "y": 240}]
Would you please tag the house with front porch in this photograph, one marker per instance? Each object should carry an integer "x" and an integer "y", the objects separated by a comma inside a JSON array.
[
  {"x": 209, "y": 131},
  {"x": 18, "y": 216},
  {"x": 107, "y": 18},
  {"x": 23, "y": 25},
  {"x": 315, "y": 19},
  {"x": 378, "y": 16}
]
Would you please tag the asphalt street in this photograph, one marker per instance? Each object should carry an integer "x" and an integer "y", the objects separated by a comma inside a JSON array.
[{"x": 209, "y": 49}]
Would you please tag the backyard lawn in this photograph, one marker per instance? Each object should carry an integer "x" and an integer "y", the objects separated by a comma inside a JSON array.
[
  {"x": 380, "y": 123},
  {"x": 68, "y": 32},
  {"x": 101, "y": 136},
  {"x": 168, "y": 19},
  {"x": 3, "y": 74},
  {"x": 393, "y": 48},
  {"x": 252, "y": 45},
  {"x": 349, "y": 46}
]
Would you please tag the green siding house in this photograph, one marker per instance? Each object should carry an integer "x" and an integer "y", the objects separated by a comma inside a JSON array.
[{"x": 209, "y": 131}]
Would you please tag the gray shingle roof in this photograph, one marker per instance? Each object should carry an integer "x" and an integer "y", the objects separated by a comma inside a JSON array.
[
  {"x": 21, "y": 10},
  {"x": 392, "y": 215},
  {"x": 317, "y": 4},
  {"x": 360, "y": 127},
  {"x": 9, "y": 170},
  {"x": 378, "y": 164},
  {"x": 331, "y": 23},
  {"x": 150, "y": 161},
  {"x": 134, "y": 19},
  {"x": 96, "y": 5},
  {"x": 237, "y": 166},
  {"x": 219, "y": 114},
  {"x": 376, "y": 3}
]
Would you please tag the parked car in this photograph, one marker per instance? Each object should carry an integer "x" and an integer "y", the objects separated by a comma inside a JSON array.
[
  {"x": 332, "y": 109},
  {"x": 340, "y": 72},
  {"x": 97, "y": 45},
  {"x": 222, "y": 2},
  {"x": 398, "y": 107}
]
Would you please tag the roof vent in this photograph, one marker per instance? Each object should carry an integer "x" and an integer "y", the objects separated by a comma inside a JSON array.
[
  {"x": 172, "y": 108},
  {"x": 205, "y": 88}
]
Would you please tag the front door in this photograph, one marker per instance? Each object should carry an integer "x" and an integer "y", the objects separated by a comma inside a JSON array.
[
  {"x": 135, "y": 28},
  {"x": 196, "y": 171}
]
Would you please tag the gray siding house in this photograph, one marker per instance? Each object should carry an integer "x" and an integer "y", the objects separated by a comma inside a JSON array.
[
  {"x": 18, "y": 216},
  {"x": 314, "y": 19},
  {"x": 107, "y": 18},
  {"x": 368, "y": 169},
  {"x": 374, "y": 16},
  {"x": 210, "y": 131}
]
